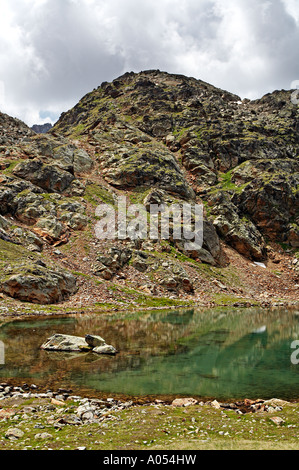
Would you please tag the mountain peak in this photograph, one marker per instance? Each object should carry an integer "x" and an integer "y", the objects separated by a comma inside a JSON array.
[{"x": 41, "y": 128}]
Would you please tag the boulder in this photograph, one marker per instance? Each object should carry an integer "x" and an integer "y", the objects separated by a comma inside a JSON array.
[
  {"x": 50, "y": 226},
  {"x": 243, "y": 236},
  {"x": 60, "y": 342},
  {"x": 135, "y": 167},
  {"x": 49, "y": 177},
  {"x": 39, "y": 285},
  {"x": 14, "y": 434},
  {"x": 237, "y": 230},
  {"x": 184, "y": 402},
  {"x": 9, "y": 190},
  {"x": 179, "y": 279},
  {"x": 140, "y": 264},
  {"x": 82, "y": 161},
  {"x": 4, "y": 223},
  {"x": 32, "y": 206},
  {"x": 69, "y": 343},
  {"x": 155, "y": 197},
  {"x": 277, "y": 420},
  {"x": 43, "y": 436},
  {"x": 108, "y": 264},
  {"x": 105, "y": 349},
  {"x": 211, "y": 251},
  {"x": 270, "y": 197},
  {"x": 94, "y": 341}
]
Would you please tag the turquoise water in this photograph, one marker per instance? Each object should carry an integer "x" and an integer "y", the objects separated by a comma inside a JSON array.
[{"x": 220, "y": 353}]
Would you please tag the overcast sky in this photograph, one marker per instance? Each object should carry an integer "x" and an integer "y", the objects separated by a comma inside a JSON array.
[{"x": 53, "y": 52}]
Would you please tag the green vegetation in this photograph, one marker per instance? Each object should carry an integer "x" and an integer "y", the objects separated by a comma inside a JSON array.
[
  {"x": 95, "y": 194},
  {"x": 227, "y": 184},
  {"x": 12, "y": 166},
  {"x": 230, "y": 300},
  {"x": 141, "y": 300}
]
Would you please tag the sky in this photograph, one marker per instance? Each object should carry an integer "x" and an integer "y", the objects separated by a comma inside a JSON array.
[{"x": 53, "y": 52}]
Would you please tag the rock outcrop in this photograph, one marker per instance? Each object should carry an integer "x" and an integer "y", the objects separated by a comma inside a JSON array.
[
  {"x": 247, "y": 149},
  {"x": 156, "y": 138},
  {"x": 39, "y": 285}
]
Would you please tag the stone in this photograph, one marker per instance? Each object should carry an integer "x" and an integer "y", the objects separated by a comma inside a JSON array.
[
  {"x": 94, "y": 341},
  {"x": 86, "y": 412},
  {"x": 105, "y": 349},
  {"x": 40, "y": 285},
  {"x": 187, "y": 285},
  {"x": 49, "y": 177},
  {"x": 4, "y": 223},
  {"x": 72, "y": 419},
  {"x": 276, "y": 402},
  {"x": 155, "y": 197},
  {"x": 77, "y": 222},
  {"x": 60, "y": 342},
  {"x": 140, "y": 265},
  {"x": 6, "y": 414},
  {"x": 69, "y": 343},
  {"x": 169, "y": 283},
  {"x": 211, "y": 251},
  {"x": 238, "y": 232},
  {"x": 215, "y": 404},
  {"x": 137, "y": 166},
  {"x": 57, "y": 402},
  {"x": 14, "y": 434},
  {"x": 50, "y": 226},
  {"x": 109, "y": 264},
  {"x": 277, "y": 420},
  {"x": 183, "y": 402},
  {"x": 82, "y": 161},
  {"x": 43, "y": 436}
]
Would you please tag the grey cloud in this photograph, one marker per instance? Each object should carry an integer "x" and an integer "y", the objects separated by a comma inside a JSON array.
[{"x": 52, "y": 52}]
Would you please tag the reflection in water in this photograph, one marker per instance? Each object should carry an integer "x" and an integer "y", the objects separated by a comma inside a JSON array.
[{"x": 221, "y": 353}]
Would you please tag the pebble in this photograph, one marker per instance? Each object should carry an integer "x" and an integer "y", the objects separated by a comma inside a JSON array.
[
  {"x": 43, "y": 436},
  {"x": 14, "y": 433},
  {"x": 277, "y": 420},
  {"x": 88, "y": 410}
]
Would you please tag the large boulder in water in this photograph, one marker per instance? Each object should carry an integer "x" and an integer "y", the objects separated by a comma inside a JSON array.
[
  {"x": 68, "y": 343},
  {"x": 94, "y": 341},
  {"x": 60, "y": 342}
]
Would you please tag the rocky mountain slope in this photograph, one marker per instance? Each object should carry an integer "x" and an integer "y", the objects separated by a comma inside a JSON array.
[{"x": 154, "y": 138}]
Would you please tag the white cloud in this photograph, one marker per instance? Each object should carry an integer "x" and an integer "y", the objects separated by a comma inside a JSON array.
[{"x": 52, "y": 52}]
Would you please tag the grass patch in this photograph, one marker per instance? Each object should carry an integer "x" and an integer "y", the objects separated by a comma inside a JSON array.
[
  {"x": 12, "y": 166},
  {"x": 230, "y": 300},
  {"x": 141, "y": 300},
  {"x": 96, "y": 195},
  {"x": 227, "y": 185}
]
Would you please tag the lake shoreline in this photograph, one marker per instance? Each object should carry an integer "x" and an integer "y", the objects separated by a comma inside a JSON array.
[
  {"x": 58, "y": 422},
  {"x": 17, "y": 389},
  {"x": 139, "y": 309}
]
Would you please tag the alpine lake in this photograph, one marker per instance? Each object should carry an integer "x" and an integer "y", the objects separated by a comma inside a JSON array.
[{"x": 222, "y": 353}]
